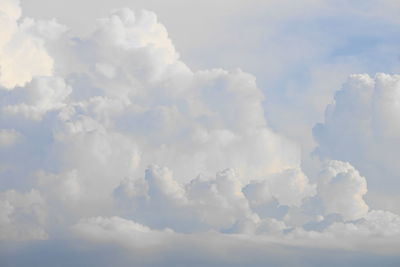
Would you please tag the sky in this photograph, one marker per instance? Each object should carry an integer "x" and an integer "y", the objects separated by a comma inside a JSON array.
[{"x": 199, "y": 133}]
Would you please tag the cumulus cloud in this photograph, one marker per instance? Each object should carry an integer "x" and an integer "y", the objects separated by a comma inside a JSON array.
[
  {"x": 361, "y": 127},
  {"x": 134, "y": 103},
  {"x": 201, "y": 204},
  {"x": 289, "y": 188},
  {"x": 22, "y": 53},
  {"x": 377, "y": 222},
  {"x": 122, "y": 142},
  {"x": 38, "y": 97},
  {"x": 341, "y": 179}
]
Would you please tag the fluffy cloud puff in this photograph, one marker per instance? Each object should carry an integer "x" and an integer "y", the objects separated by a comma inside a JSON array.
[
  {"x": 38, "y": 97},
  {"x": 22, "y": 52},
  {"x": 202, "y": 204},
  {"x": 361, "y": 127},
  {"x": 289, "y": 188},
  {"x": 341, "y": 179}
]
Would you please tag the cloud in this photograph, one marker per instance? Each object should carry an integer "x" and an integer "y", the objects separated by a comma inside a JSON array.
[
  {"x": 377, "y": 222},
  {"x": 41, "y": 95},
  {"x": 341, "y": 179},
  {"x": 221, "y": 249},
  {"x": 201, "y": 204},
  {"x": 122, "y": 143},
  {"x": 117, "y": 229},
  {"x": 289, "y": 188},
  {"x": 22, "y": 53},
  {"x": 8, "y": 137},
  {"x": 132, "y": 103},
  {"x": 360, "y": 127},
  {"x": 22, "y": 216}
]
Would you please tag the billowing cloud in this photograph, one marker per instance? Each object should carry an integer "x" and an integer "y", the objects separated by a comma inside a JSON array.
[
  {"x": 289, "y": 188},
  {"x": 132, "y": 103},
  {"x": 341, "y": 179},
  {"x": 22, "y": 52},
  {"x": 38, "y": 97},
  {"x": 122, "y": 143},
  {"x": 361, "y": 127},
  {"x": 202, "y": 204}
]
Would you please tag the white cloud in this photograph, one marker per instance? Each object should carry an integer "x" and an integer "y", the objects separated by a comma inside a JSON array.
[
  {"x": 147, "y": 107},
  {"x": 160, "y": 201},
  {"x": 377, "y": 222},
  {"x": 361, "y": 127},
  {"x": 222, "y": 203},
  {"x": 38, "y": 97},
  {"x": 22, "y": 53},
  {"x": 341, "y": 189},
  {"x": 289, "y": 188},
  {"x": 105, "y": 107}
]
